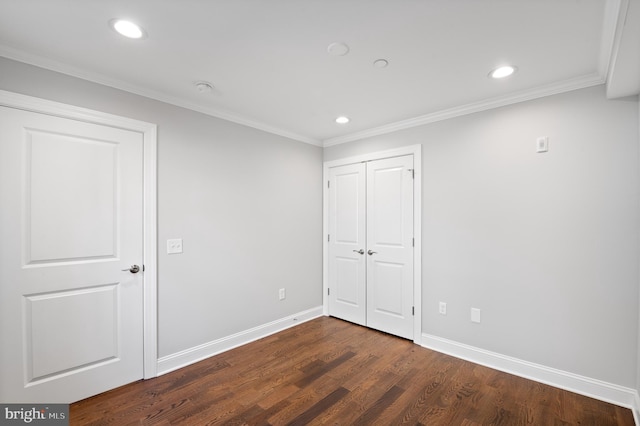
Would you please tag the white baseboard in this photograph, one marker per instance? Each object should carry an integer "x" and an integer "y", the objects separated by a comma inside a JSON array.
[
  {"x": 198, "y": 353},
  {"x": 608, "y": 392}
]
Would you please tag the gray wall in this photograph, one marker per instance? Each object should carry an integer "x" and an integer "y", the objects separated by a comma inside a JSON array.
[
  {"x": 247, "y": 204},
  {"x": 546, "y": 245}
]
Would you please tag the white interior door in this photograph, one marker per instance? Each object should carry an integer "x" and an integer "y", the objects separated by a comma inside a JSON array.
[
  {"x": 390, "y": 245},
  {"x": 71, "y": 196},
  {"x": 347, "y": 245},
  {"x": 371, "y": 244}
]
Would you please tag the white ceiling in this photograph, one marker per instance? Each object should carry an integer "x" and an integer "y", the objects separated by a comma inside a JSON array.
[{"x": 269, "y": 63}]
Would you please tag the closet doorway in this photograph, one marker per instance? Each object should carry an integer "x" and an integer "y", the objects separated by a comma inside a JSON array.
[{"x": 370, "y": 250}]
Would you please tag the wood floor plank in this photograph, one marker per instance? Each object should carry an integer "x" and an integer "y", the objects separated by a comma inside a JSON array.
[
  {"x": 360, "y": 399},
  {"x": 322, "y": 369},
  {"x": 373, "y": 412},
  {"x": 319, "y": 407},
  {"x": 328, "y": 371}
]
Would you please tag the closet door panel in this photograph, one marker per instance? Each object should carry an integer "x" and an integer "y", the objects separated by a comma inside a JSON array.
[
  {"x": 347, "y": 225},
  {"x": 390, "y": 245}
]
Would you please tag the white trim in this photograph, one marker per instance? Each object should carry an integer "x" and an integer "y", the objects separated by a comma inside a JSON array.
[
  {"x": 623, "y": 66},
  {"x": 150, "y": 322},
  {"x": 53, "y": 65},
  {"x": 416, "y": 151},
  {"x": 636, "y": 400},
  {"x": 149, "y": 132},
  {"x": 612, "y": 26},
  {"x": 527, "y": 95},
  {"x": 598, "y": 389},
  {"x": 189, "y": 356}
]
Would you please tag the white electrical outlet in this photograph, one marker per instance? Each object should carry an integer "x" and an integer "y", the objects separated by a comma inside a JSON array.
[
  {"x": 442, "y": 308},
  {"x": 174, "y": 246},
  {"x": 475, "y": 315},
  {"x": 282, "y": 294}
]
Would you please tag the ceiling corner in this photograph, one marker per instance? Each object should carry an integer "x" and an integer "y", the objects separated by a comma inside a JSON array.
[{"x": 623, "y": 58}]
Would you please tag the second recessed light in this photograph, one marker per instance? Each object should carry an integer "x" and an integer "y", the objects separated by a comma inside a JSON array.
[
  {"x": 380, "y": 63},
  {"x": 338, "y": 49},
  {"x": 127, "y": 28},
  {"x": 503, "y": 72},
  {"x": 203, "y": 86},
  {"x": 342, "y": 120}
]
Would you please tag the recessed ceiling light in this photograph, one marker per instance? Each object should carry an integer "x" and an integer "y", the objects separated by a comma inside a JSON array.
[
  {"x": 342, "y": 120},
  {"x": 127, "y": 28},
  {"x": 503, "y": 72},
  {"x": 380, "y": 63},
  {"x": 338, "y": 49},
  {"x": 203, "y": 86}
]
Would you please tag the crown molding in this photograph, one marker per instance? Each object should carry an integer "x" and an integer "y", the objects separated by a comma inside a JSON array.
[
  {"x": 53, "y": 65},
  {"x": 613, "y": 24},
  {"x": 526, "y": 95}
]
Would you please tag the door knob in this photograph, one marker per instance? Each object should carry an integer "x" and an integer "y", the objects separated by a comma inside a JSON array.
[
  {"x": 361, "y": 251},
  {"x": 370, "y": 252},
  {"x": 134, "y": 269}
]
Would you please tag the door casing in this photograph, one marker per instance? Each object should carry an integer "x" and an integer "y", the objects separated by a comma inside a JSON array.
[
  {"x": 416, "y": 151},
  {"x": 149, "y": 133}
]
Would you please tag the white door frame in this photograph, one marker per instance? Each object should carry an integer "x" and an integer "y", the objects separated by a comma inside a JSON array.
[
  {"x": 149, "y": 133},
  {"x": 416, "y": 150}
]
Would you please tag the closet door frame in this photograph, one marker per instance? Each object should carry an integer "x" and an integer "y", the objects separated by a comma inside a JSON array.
[{"x": 416, "y": 151}]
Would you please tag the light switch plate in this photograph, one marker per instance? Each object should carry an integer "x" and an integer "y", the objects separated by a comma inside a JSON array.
[
  {"x": 174, "y": 246},
  {"x": 475, "y": 315},
  {"x": 542, "y": 144}
]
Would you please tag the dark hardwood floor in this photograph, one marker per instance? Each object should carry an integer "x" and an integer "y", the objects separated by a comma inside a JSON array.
[{"x": 328, "y": 371}]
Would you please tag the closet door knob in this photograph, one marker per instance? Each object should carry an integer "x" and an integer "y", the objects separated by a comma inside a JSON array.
[
  {"x": 361, "y": 251},
  {"x": 370, "y": 252},
  {"x": 134, "y": 269}
]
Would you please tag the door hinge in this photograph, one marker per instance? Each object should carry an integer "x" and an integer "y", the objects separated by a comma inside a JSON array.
[
  {"x": 328, "y": 237},
  {"x": 413, "y": 310},
  {"x": 413, "y": 173},
  {"x": 328, "y": 184},
  {"x": 328, "y": 292},
  {"x": 413, "y": 242}
]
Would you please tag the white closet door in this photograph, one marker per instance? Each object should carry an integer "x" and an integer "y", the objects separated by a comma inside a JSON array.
[
  {"x": 71, "y": 219},
  {"x": 347, "y": 258},
  {"x": 371, "y": 244},
  {"x": 390, "y": 245}
]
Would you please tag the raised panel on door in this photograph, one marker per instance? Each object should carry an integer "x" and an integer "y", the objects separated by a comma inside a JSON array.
[
  {"x": 347, "y": 274},
  {"x": 51, "y": 328},
  {"x": 390, "y": 244},
  {"x": 71, "y": 195}
]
